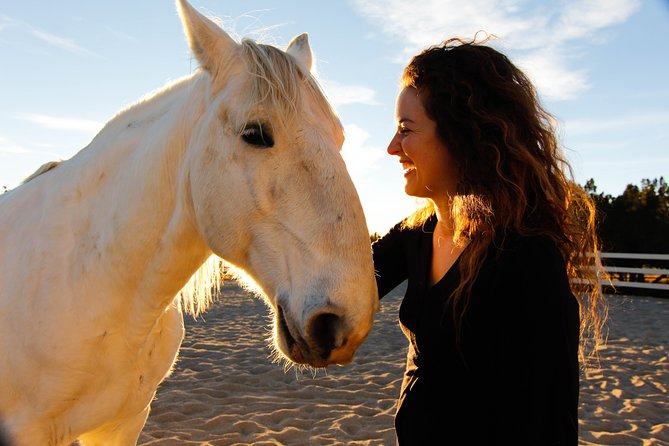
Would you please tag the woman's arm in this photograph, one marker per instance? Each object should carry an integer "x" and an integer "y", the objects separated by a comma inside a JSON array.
[{"x": 390, "y": 260}]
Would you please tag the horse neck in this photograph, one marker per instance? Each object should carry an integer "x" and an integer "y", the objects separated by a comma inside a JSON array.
[{"x": 145, "y": 195}]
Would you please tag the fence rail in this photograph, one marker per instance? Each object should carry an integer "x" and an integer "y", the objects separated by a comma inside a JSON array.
[
  {"x": 630, "y": 255},
  {"x": 644, "y": 276}
]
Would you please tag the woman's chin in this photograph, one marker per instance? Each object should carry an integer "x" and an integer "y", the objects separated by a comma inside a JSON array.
[{"x": 412, "y": 191}]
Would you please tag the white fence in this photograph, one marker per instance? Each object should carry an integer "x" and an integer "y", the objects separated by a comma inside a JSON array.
[{"x": 653, "y": 278}]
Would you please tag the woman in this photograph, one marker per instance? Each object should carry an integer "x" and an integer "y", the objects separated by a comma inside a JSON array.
[{"x": 492, "y": 316}]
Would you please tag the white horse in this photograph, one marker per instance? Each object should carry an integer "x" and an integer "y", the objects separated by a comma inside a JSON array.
[{"x": 240, "y": 159}]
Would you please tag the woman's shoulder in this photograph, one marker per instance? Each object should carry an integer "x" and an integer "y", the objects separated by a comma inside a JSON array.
[
  {"x": 405, "y": 232},
  {"x": 536, "y": 255},
  {"x": 531, "y": 264}
]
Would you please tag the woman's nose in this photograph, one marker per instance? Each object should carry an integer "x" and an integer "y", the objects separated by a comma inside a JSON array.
[{"x": 394, "y": 147}]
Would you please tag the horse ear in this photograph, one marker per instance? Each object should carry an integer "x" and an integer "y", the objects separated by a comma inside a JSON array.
[
  {"x": 206, "y": 39},
  {"x": 299, "y": 48}
]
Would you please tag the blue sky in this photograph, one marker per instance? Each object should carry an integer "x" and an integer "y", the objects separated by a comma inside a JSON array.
[{"x": 601, "y": 67}]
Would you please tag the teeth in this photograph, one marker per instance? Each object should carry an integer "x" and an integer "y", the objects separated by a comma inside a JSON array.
[{"x": 409, "y": 169}]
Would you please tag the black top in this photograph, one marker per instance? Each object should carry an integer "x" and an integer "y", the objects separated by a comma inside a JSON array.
[{"x": 513, "y": 377}]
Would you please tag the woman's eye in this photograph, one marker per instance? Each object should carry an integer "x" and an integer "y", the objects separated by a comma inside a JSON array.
[{"x": 257, "y": 135}]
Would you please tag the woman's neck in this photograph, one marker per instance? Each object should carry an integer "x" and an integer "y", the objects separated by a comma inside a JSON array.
[{"x": 445, "y": 224}]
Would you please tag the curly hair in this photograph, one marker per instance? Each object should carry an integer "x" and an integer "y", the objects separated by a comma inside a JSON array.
[{"x": 512, "y": 174}]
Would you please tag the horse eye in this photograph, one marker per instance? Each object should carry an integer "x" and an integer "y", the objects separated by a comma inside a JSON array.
[{"x": 257, "y": 135}]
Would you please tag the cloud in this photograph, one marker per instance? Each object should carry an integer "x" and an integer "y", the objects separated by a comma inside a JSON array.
[
  {"x": 339, "y": 94},
  {"x": 631, "y": 162},
  {"x": 9, "y": 146},
  {"x": 581, "y": 19},
  {"x": 357, "y": 153},
  {"x": 551, "y": 74},
  {"x": 633, "y": 122},
  {"x": 62, "y": 43},
  {"x": 545, "y": 37},
  {"x": 7, "y": 22},
  {"x": 59, "y": 42},
  {"x": 56, "y": 123}
]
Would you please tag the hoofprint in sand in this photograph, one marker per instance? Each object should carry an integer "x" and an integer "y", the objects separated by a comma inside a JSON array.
[{"x": 226, "y": 391}]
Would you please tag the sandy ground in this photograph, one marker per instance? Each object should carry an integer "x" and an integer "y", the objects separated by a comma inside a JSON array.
[
  {"x": 625, "y": 401},
  {"x": 226, "y": 391}
]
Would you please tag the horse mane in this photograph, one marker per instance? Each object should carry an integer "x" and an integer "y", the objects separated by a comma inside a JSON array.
[
  {"x": 44, "y": 168},
  {"x": 277, "y": 81},
  {"x": 203, "y": 286}
]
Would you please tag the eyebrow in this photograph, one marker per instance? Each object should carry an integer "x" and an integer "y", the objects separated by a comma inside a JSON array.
[{"x": 403, "y": 120}]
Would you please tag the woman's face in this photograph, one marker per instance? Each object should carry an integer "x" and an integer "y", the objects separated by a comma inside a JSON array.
[{"x": 428, "y": 168}]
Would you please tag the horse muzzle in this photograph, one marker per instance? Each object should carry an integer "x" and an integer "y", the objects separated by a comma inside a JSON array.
[{"x": 325, "y": 340}]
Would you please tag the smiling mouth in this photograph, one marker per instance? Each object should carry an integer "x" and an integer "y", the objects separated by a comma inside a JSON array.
[{"x": 407, "y": 166}]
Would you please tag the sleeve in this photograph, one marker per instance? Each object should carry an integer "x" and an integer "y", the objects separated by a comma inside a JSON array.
[{"x": 390, "y": 263}]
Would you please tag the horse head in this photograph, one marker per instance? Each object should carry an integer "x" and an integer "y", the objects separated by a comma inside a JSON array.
[{"x": 271, "y": 193}]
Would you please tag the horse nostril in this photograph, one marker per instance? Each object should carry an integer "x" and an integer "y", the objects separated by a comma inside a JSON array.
[{"x": 323, "y": 331}]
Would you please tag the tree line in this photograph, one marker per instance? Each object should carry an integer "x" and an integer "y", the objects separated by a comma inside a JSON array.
[{"x": 636, "y": 221}]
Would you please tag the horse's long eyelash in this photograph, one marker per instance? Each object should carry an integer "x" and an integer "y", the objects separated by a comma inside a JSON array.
[{"x": 257, "y": 134}]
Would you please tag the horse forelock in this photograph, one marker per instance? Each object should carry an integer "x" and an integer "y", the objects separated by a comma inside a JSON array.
[{"x": 278, "y": 83}]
